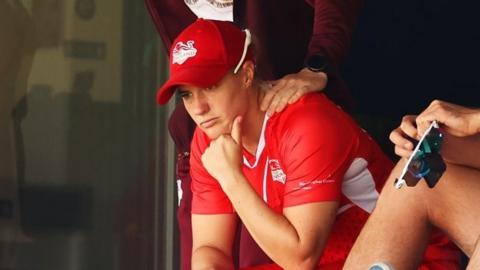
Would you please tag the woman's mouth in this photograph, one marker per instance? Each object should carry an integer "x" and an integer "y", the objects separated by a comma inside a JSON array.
[{"x": 208, "y": 123}]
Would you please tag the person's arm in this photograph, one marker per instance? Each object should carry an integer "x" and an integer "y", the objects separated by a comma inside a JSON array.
[
  {"x": 213, "y": 237},
  {"x": 461, "y": 150},
  {"x": 457, "y": 120},
  {"x": 456, "y": 150},
  {"x": 213, "y": 219},
  {"x": 292, "y": 239},
  {"x": 333, "y": 24},
  {"x": 170, "y": 17},
  {"x": 331, "y": 37},
  {"x": 462, "y": 137},
  {"x": 462, "y": 131}
]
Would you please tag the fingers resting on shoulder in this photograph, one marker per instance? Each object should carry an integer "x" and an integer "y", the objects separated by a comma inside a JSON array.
[{"x": 291, "y": 88}]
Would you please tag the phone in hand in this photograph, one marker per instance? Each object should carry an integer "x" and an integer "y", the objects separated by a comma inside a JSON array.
[{"x": 425, "y": 162}]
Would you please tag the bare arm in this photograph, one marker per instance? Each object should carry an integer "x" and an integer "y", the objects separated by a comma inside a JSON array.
[
  {"x": 462, "y": 132},
  {"x": 462, "y": 150},
  {"x": 212, "y": 241},
  {"x": 457, "y": 120},
  {"x": 292, "y": 239}
]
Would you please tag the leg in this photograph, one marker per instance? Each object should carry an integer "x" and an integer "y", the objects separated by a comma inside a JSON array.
[
  {"x": 398, "y": 230},
  {"x": 454, "y": 206},
  {"x": 388, "y": 236}
]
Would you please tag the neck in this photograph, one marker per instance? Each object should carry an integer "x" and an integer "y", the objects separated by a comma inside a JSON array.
[{"x": 253, "y": 120}]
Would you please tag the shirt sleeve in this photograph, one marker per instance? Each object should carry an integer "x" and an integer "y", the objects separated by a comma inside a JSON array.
[
  {"x": 170, "y": 18},
  {"x": 207, "y": 194},
  {"x": 318, "y": 146},
  {"x": 333, "y": 24}
]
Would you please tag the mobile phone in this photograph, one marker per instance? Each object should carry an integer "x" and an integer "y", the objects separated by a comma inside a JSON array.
[{"x": 425, "y": 162}]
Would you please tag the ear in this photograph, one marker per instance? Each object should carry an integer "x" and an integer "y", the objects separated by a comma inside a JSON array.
[{"x": 248, "y": 73}]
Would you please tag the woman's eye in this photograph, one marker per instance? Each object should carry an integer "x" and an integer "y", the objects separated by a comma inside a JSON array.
[{"x": 185, "y": 95}]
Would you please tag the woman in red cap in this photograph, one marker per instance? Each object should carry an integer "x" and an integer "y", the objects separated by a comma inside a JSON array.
[
  {"x": 301, "y": 182},
  {"x": 320, "y": 29}
]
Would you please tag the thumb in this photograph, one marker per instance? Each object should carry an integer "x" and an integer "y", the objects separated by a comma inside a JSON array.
[{"x": 237, "y": 130}]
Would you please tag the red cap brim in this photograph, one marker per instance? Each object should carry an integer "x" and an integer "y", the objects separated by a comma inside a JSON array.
[{"x": 198, "y": 76}]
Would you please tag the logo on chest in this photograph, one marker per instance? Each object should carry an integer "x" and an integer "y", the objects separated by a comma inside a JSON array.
[{"x": 277, "y": 173}]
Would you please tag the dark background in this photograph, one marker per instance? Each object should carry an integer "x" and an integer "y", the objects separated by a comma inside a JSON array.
[{"x": 406, "y": 53}]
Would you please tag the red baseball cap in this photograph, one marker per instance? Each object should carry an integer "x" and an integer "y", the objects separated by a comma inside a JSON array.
[{"x": 203, "y": 53}]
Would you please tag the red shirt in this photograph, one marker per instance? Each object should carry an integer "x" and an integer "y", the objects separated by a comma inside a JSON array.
[{"x": 310, "y": 152}]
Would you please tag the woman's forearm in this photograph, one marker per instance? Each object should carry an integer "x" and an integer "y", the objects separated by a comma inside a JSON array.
[
  {"x": 286, "y": 245},
  {"x": 462, "y": 150},
  {"x": 206, "y": 257}
]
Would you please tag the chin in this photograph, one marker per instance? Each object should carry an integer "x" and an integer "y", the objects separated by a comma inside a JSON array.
[{"x": 214, "y": 132}]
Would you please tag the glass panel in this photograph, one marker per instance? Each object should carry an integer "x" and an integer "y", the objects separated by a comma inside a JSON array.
[{"x": 83, "y": 145}]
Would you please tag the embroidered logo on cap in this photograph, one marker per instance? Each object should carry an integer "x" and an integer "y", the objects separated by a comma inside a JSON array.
[{"x": 183, "y": 51}]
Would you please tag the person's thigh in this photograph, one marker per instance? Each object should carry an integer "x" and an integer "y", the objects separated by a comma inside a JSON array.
[
  {"x": 398, "y": 230},
  {"x": 454, "y": 205}
]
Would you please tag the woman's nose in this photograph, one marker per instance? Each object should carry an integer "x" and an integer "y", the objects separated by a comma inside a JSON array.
[{"x": 199, "y": 105}]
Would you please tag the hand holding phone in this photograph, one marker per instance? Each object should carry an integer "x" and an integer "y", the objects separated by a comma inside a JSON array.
[{"x": 425, "y": 161}]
